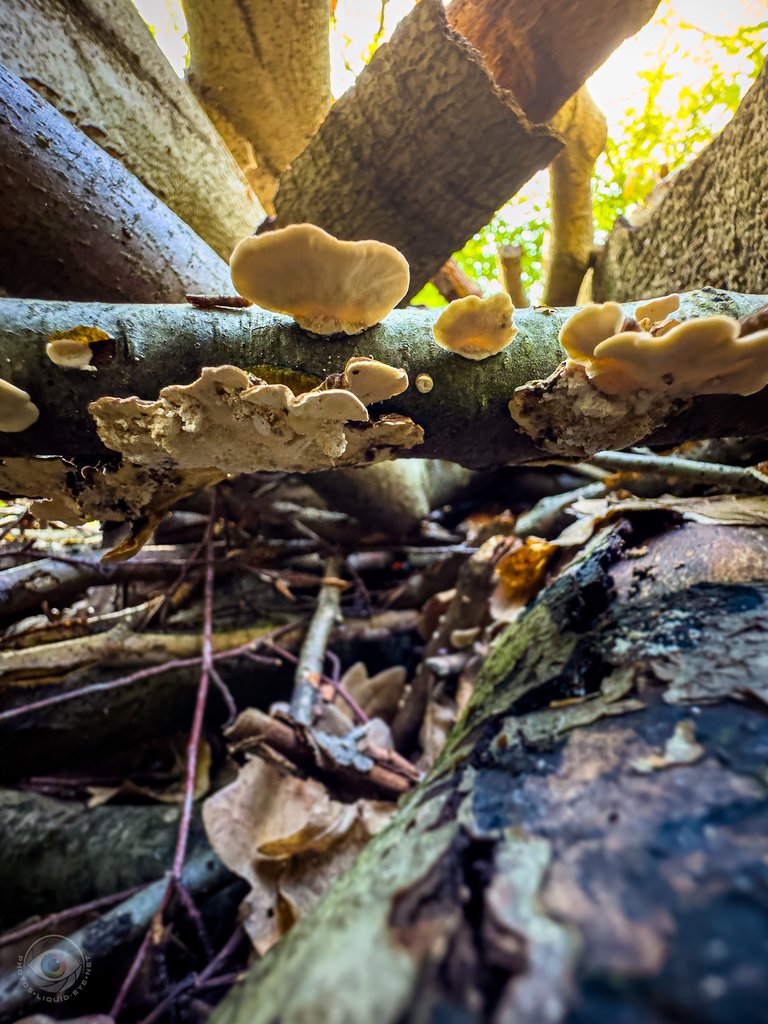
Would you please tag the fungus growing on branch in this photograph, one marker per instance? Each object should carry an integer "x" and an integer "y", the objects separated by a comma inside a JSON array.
[
  {"x": 372, "y": 381},
  {"x": 327, "y": 286},
  {"x": 17, "y": 410},
  {"x": 618, "y": 386},
  {"x": 655, "y": 310},
  {"x": 72, "y": 349},
  {"x": 476, "y": 328}
]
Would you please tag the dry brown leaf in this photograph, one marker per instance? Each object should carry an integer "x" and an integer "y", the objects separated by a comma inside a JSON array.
[
  {"x": 723, "y": 509},
  {"x": 680, "y": 748},
  {"x": 288, "y": 839},
  {"x": 520, "y": 575},
  {"x": 378, "y": 695}
]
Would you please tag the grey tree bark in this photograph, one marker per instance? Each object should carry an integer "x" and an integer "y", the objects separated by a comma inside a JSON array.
[
  {"x": 704, "y": 225},
  {"x": 96, "y": 62},
  {"x": 76, "y": 223}
]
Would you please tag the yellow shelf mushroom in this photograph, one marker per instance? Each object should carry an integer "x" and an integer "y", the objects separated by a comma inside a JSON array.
[{"x": 476, "y": 328}]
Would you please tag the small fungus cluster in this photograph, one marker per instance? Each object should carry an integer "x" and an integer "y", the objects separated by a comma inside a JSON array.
[
  {"x": 328, "y": 286},
  {"x": 625, "y": 376},
  {"x": 476, "y": 328},
  {"x": 698, "y": 357}
]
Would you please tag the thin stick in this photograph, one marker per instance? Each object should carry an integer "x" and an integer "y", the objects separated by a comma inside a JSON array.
[
  {"x": 46, "y": 924},
  {"x": 713, "y": 473},
  {"x": 344, "y": 694},
  {"x": 312, "y": 653}
]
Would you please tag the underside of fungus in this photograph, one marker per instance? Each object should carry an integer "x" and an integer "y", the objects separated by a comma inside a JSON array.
[
  {"x": 230, "y": 421},
  {"x": 476, "y": 328},
  {"x": 326, "y": 285},
  {"x": 620, "y": 382}
]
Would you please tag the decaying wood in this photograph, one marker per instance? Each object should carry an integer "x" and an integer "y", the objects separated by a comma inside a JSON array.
[
  {"x": 453, "y": 283},
  {"x": 262, "y": 72},
  {"x": 98, "y": 64},
  {"x": 405, "y": 141},
  {"x": 571, "y": 236},
  {"x": 543, "y": 52},
  {"x": 465, "y": 416},
  {"x": 594, "y": 834},
  {"x": 509, "y": 260},
  {"x": 76, "y": 224},
  {"x": 704, "y": 225}
]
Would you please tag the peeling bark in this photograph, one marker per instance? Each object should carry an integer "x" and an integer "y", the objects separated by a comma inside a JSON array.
[
  {"x": 77, "y": 224},
  {"x": 571, "y": 238},
  {"x": 543, "y": 52},
  {"x": 465, "y": 416},
  {"x": 704, "y": 225},
  {"x": 567, "y": 861},
  {"x": 98, "y": 64},
  {"x": 262, "y": 72},
  {"x": 405, "y": 142}
]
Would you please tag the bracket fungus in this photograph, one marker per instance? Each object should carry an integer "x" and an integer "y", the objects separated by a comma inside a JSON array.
[
  {"x": 476, "y": 328},
  {"x": 616, "y": 386},
  {"x": 17, "y": 410},
  {"x": 230, "y": 421},
  {"x": 326, "y": 285},
  {"x": 372, "y": 381},
  {"x": 72, "y": 349}
]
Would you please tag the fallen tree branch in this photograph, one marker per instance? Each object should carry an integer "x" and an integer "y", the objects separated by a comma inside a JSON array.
[
  {"x": 542, "y": 53},
  {"x": 99, "y": 65},
  {"x": 306, "y": 687},
  {"x": 103, "y": 234},
  {"x": 465, "y": 416}
]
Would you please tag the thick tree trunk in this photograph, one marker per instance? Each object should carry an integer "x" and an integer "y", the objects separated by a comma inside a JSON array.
[
  {"x": 96, "y": 61},
  {"x": 704, "y": 225},
  {"x": 75, "y": 223},
  {"x": 590, "y": 847},
  {"x": 465, "y": 416},
  {"x": 416, "y": 158},
  {"x": 571, "y": 238},
  {"x": 543, "y": 52},
  {"x": 262, "y": 72}
]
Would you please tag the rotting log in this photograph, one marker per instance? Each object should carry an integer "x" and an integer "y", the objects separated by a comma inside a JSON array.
[
  {"x": 98, "y": 64},
  {"x": 454, "y": 283},
  {"x": 405, "y": 142},
  {"x": 591, "y": 847},
  {"x": 465, "y": 416},
  {"x": 76, "y": 223},
  {"x": 543, "y": 52},
  {"x": 262, "y": 72},
  {"x": 571, "y": 237},
  {"x": 704, "y": 225}
]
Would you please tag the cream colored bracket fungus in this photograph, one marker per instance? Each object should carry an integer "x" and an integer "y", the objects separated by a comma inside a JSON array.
[
  {"x": 231, "y": 422},
  {"x": 72, "y": 349},
  {"x": 617, "y": 386},
  {"x": 372, "y": 381},
  {"x": 17, "y": 410},
  {"x": 476, "y": 328},
  {"x": 327, "y": 286}
]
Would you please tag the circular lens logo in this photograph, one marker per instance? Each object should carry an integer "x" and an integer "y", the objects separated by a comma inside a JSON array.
[{"x": 52, "y": 967}]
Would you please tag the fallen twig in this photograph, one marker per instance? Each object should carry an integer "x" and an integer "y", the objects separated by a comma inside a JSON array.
[{"x": 312, "y": 654}]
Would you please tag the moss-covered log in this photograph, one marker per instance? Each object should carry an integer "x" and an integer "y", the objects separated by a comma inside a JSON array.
[
  {"x": 415, "y": 157},
  {"x": 592, "y": 845},
  {"x": 464, "y": 417},
  {"x": 76, "y": 223},
  {"x": 98, "y": 64},
  {"x": 704, "y": 225}
]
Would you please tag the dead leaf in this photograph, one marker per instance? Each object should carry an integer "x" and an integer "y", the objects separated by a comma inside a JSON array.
[
  {"x": 289, "y": 839},
  {"x": 521, "y": 573},
  {"x": 680, "y": 748},
  {"x": 378, "y": 695}
]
